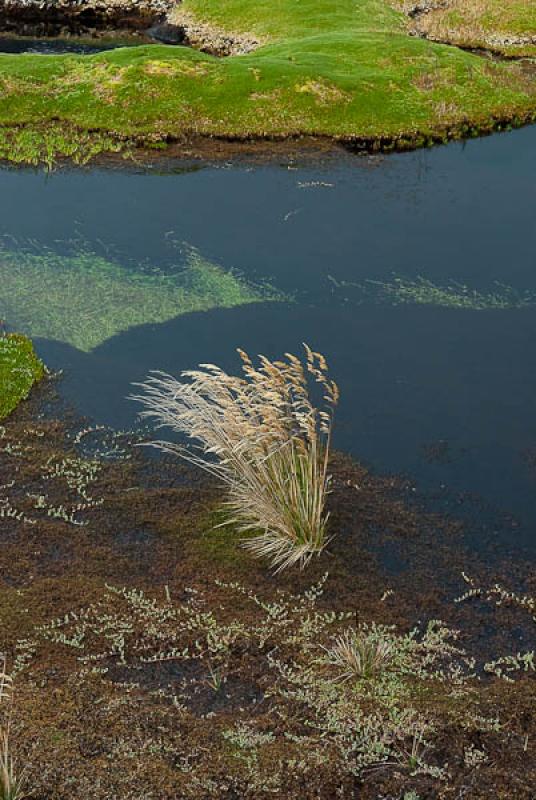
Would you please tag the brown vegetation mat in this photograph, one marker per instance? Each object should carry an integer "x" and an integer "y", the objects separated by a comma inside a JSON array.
[{"x": 132, "y": 727}]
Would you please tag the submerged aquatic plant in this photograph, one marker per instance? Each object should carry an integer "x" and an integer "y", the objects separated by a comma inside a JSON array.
[
  {"x": 263, "y": 438},
  {"x": 454, "y": 295},
  {"x": 82, "y": 298},
  {"x": 421, "y": 291}
]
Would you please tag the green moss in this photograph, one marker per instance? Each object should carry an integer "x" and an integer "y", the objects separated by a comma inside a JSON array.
[
  {"x": 83, "y": 299},
  {"x": 341, "y": 69},
  {"x": 19, "y": 370},
  {"x": 220, "y": 544}
]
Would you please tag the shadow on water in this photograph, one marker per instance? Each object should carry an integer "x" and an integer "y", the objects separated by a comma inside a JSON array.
[
  {"x": 443, "y": 394},
  {"x": 438, "y": 394}
]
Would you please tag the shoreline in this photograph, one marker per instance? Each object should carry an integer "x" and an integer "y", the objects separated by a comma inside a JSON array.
[
  {"x": 362, "y": 82},
  {"x": 98, "y": 149},
  {"x": 94, "y": 568}
]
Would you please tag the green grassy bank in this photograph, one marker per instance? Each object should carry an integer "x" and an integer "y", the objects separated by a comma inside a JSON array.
[
  {"x": 19, "y": 370},
  {"x": 508, "y": 28},
  {"x": 338, "y": 68}
]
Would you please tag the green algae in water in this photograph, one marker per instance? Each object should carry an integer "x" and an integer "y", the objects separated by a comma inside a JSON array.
[
  {"x": 83, "y": 298},
  {"x": 455, "y": 295},
  {"x": 19, "y": 370},
  {"x": 421, "y": 291}
]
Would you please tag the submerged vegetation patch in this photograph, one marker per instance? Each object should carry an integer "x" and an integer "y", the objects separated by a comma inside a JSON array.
[
  {"x": 339, "y": 69},
  {"x": 455, "y": 295},
  {"x": 19, "y": 370},
  {"x": 422, "y": 291},
  {"x": 83, "y": 298}
]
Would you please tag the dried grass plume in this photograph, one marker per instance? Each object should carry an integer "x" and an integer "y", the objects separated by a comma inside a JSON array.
[
  {"x": 262, "y": 437},
  {"x": 11, "y": 783}
]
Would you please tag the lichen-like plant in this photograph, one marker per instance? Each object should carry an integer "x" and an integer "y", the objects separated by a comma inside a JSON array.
[
  {"x": 263, "y": 438},
  {"x": 275, "y": 646},
  {"x": 506, "y": 666}
]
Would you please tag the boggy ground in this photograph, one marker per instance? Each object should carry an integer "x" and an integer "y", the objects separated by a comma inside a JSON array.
[
  {"x": 328, "y": 68},
  {"x": 214, "y": 682}
]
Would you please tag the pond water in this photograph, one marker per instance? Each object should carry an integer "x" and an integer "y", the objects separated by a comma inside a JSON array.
[
  {"x": 415, "y": 274},
  {"x": 58, "y": 46}
]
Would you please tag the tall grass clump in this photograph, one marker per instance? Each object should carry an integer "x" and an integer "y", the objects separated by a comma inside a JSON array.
[
  {"x": 262, "y": 437},
  {"x": 11, "y": 784}
]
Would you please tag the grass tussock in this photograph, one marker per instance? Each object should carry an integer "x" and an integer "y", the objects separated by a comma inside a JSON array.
[
  {"x": 262, "y": 437},
  {"x": 11, "y": 783},
  {"x": 357, "y": 654}
]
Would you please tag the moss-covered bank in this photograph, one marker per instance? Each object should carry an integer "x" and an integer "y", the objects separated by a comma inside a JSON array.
[
  {"x": 19, "y": 370},
  {"x": 346, "y": 70}
]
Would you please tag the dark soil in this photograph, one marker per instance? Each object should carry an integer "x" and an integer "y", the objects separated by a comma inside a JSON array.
[{"x": 390, "y": 561}]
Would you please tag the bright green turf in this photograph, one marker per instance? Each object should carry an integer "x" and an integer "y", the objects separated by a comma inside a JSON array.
[
  {"x": 19, "y": 370},
  {"x": 341, "y": 68}
]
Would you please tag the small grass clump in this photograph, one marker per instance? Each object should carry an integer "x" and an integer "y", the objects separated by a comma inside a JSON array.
[
  {"x": 360, "y": 653},
  {"x": 262, "y": 437},
  {"x": 19, "y": 370}
]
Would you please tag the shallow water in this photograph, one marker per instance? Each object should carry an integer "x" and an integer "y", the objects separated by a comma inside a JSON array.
[
  {"x": 200, "y": 261},
  {"x": 57, "y": 46}
]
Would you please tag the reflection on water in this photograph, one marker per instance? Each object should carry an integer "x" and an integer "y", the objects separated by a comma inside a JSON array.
[{"x": 442, "y": 365}]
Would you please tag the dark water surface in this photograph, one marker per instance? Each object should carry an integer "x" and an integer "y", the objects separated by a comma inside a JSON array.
[
  {"x": 442, "y": 393},
  {"x": 57, "y": 46}
]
